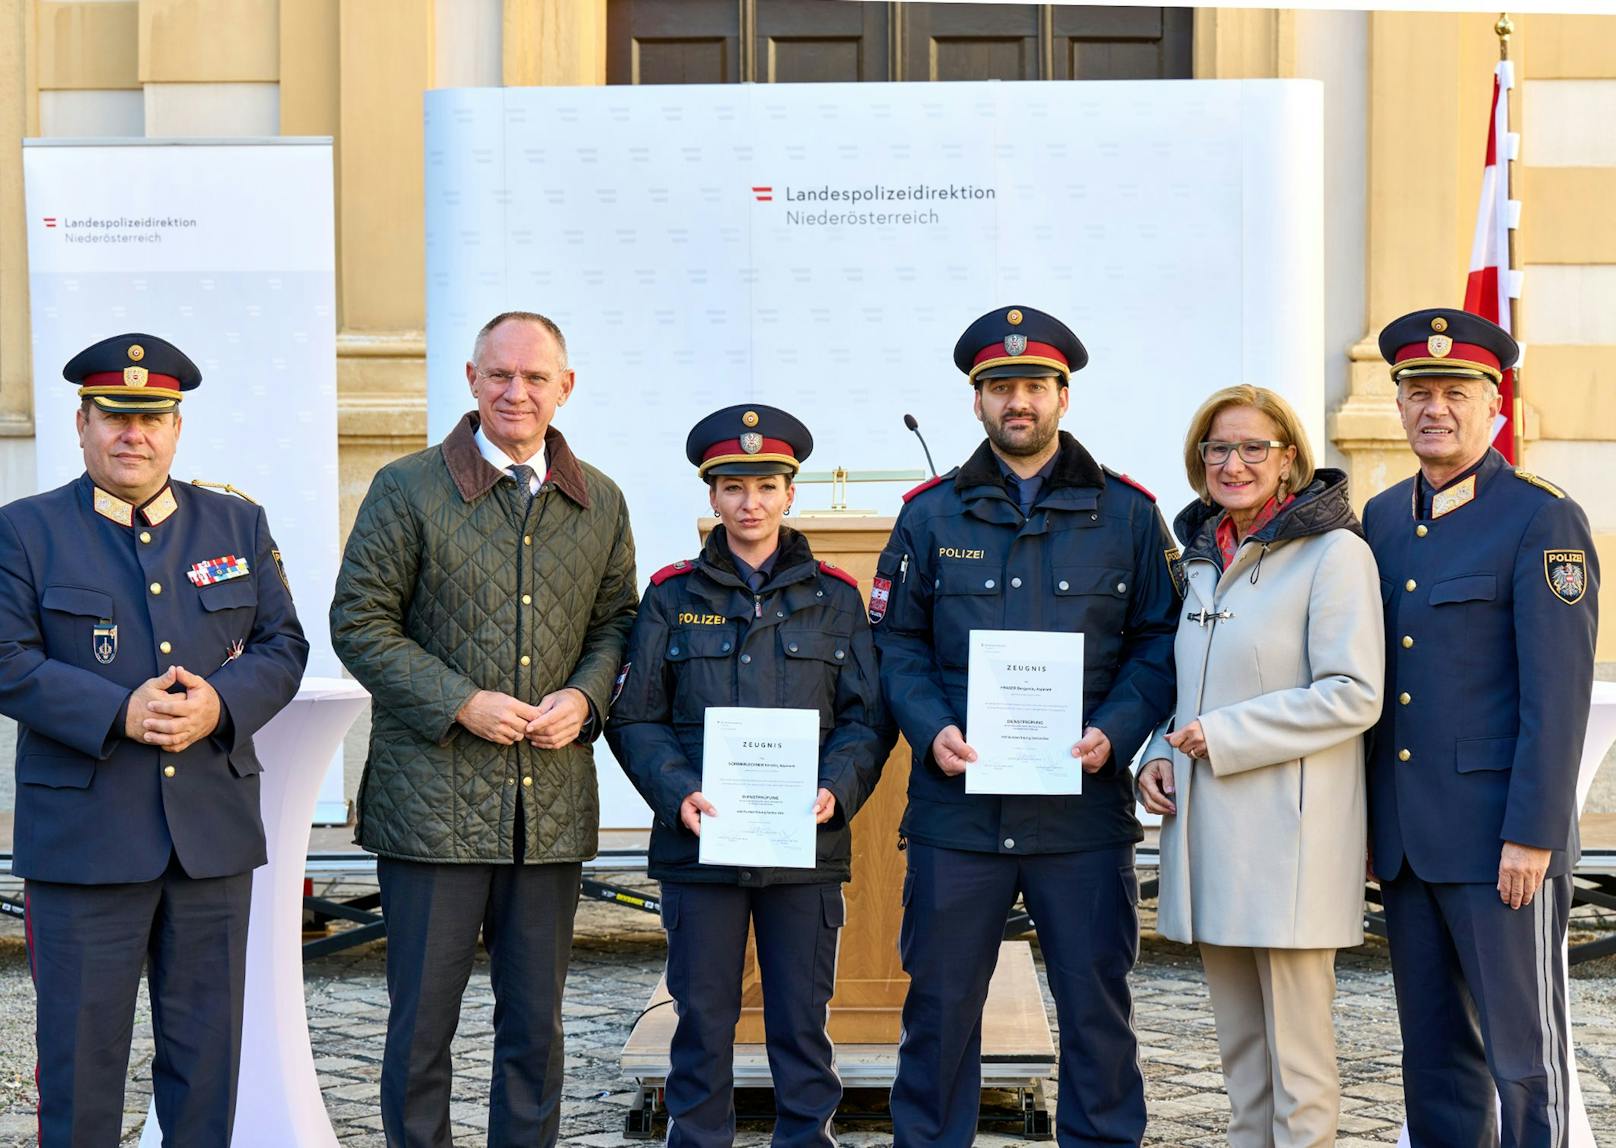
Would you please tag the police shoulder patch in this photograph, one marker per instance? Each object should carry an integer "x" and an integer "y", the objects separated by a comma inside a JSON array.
[
  {"x": 1122, "y": 478},
  {"x": 1175, "y": 567},
  {"x": 672, "y": 570},
  {"x": 1566, "y": 572},
  {"x": 838, "y": 572},
  {"x": 1540, "y": 483}
]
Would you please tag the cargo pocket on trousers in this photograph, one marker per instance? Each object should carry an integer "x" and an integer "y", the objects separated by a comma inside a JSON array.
[
  {"x": 670, "y": 922},
  {"x": 833, "y": 906}
]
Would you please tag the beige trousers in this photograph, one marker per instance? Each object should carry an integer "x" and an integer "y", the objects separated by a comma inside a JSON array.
[{"x": 1277, "y": 1042}]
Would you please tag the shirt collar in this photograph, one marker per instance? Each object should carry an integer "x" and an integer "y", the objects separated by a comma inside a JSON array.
[{"x": 503, "y": 462}]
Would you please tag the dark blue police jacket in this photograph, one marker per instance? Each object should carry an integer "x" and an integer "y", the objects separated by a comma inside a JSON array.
[
  {"x": 1491, "y": 610},
  {"x": 1093, "y": 556},
  {"x": 86, "y": 603}
]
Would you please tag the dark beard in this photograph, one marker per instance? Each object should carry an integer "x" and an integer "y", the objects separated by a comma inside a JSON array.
[{"x": 1041, "y": 435}]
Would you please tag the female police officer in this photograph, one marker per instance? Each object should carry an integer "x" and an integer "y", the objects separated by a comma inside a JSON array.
[{"x": 754, "y": 621}]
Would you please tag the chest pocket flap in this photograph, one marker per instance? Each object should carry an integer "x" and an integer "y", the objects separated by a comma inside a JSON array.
[
  {"x": 968, "y": 578},
  {"x": 77, "y": 600},
  {"x": 706, "y": 642},
  {"x": 1466, "y": 588},
  {"x": 814, "y": 645},
  {"x": 1111, "y": 581},
  {"x": 226, "y": 595}
]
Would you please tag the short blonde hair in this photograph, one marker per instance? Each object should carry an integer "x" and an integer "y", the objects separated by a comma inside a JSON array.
[{"x": 1279, "y": 412}]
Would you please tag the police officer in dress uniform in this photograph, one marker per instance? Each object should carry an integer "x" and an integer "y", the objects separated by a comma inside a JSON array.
[
  {"x": 146, "y": 633},
  {"x": 754, "y": 621},
  {"x": 1490, "y": 581},
  {"x": 1030, "y": 534}
]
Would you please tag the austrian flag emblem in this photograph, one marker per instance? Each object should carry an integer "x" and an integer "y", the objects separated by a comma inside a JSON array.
[
  {"x": 1567, "y": 574},
  {"x": 880, "y": 591}
]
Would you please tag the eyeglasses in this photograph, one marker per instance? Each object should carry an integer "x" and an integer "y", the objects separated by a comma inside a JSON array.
[{"x": 1252, "y": 450}]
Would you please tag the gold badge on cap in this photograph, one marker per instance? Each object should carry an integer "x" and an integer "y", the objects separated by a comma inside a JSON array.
[
  {"x": 1439, "y": 346},
  {"x": 1439, "y": 324},
  {"x": 750, "y": 418},
  {"x": 1014, "y": 317},
  {"x": 134, "y": 376},
  {"x": 136, "y": 352}
]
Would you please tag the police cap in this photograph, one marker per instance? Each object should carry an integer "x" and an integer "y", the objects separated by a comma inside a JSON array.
[
  {"x": 1443, "y": 341},
  {"x": 134, "y": 372},
  {"x": 1020, "y": 342},
  {"x": 748, "y": 438}
]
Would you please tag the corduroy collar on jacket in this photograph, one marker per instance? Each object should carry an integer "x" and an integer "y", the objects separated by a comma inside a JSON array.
[
  {"x": 1074, "y": 466},
  {"x": 474, "y": 477}
]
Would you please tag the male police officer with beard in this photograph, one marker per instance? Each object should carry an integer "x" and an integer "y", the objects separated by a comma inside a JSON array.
[
  {"x": 146, "y": 633},
  {"x": 1030, "y": 534}
]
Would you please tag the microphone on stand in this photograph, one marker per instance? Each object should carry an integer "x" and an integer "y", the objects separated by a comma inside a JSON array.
[{"x": 913, "y": 424}]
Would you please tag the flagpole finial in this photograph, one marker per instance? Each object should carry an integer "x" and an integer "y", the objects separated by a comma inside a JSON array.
[{"x": 1505, "y": 26}]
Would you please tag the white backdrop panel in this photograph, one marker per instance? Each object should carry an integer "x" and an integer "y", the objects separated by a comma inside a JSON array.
[
  {"x": 1176, "y": 226},
  {"x": 226, "y": 251}
]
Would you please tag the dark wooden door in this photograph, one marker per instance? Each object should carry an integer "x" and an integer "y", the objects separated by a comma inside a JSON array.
[{"x": 797, "y": 41}]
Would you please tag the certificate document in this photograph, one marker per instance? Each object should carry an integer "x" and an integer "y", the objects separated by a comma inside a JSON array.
[
  {"x": 760, "y": 769},
  {"x": 1024, "y": 712}
]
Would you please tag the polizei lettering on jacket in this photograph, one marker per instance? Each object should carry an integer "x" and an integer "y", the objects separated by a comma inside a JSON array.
[
  {"x": 688, "y": 619},
  {"x": 957, "y": 552}
]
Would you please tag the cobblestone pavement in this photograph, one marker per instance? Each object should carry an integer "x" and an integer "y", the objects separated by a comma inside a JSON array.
[{"x": 618, "y": 956}]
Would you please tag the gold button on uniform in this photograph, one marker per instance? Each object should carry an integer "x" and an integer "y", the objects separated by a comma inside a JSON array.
[
  {"x": 527, "y": 783},
  {"x": 1403, "y": 699},
  {"x": 527, "y": 599},
  {"x": 1403, "y": 755},
  {"x": 168, "y": 771},
  {"x": 145, "y": 535},
  {"x": 526, "y": 660},
  {"x": 1408, "y": 642},
  {"x": 1409, "y": 585},
  {"x": 527, "y": 540},
  {"x": 165, "y": 647},
  {"x": 1421, "y": 530},
  {"x": 156, "y": 587}
]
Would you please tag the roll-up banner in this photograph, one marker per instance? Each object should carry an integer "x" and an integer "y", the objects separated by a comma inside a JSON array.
[
  {"x": 820, "y": 247},
  {"x": 226, "y": 249}
]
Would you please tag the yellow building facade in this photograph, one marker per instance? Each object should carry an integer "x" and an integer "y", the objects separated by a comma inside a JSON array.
[{"x": 1406, "y": 101}]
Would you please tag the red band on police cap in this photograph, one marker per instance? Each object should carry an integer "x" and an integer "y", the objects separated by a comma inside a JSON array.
[
  {"x": 1460, "y": 353},
  {"x": 154, "y": 381},
  {"x": 1033, "y": 351},
  {"x": 733, "y": 446}
]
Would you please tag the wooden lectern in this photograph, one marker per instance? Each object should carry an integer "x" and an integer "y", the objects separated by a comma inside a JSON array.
[{"x": 870, "y": 981}]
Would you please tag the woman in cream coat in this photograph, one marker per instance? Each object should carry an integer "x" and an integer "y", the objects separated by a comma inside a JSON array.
[{"x": 1280, "y": 659}]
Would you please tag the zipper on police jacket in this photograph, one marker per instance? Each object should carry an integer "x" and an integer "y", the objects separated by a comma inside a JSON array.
[{"x": 757, "y": 606}]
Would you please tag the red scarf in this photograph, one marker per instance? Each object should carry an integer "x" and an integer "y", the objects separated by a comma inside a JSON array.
[{"x": 1228, "y": 543}]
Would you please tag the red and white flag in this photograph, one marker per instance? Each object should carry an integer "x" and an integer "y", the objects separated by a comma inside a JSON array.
[{"x": 1493, "y": 282}]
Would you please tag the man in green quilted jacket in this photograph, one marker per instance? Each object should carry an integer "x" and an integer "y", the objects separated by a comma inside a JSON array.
[{"x": 485, "y": 598}]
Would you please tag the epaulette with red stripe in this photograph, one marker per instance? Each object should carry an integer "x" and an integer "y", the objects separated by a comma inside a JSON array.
[
  {"x": 1120, "y": 477},
  {"x": 838, "y": 572},
  {"x": 672, "y": 570},
  {"x": 925, "y": 486}
]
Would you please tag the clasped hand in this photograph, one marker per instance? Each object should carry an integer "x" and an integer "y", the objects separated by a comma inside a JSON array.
[
  {"x": 504, "y": 720},
  {"x": 171, "y": 721}
]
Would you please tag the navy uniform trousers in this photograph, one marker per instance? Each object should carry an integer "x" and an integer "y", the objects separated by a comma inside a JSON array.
[
  {"x": 434, "y": 914},
  {"x": 1443, "y": 939},
  {"x": 1086, "y": 909},
  {"x": 86, "y": 946},
  {"x": 798, "y": 930}
]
